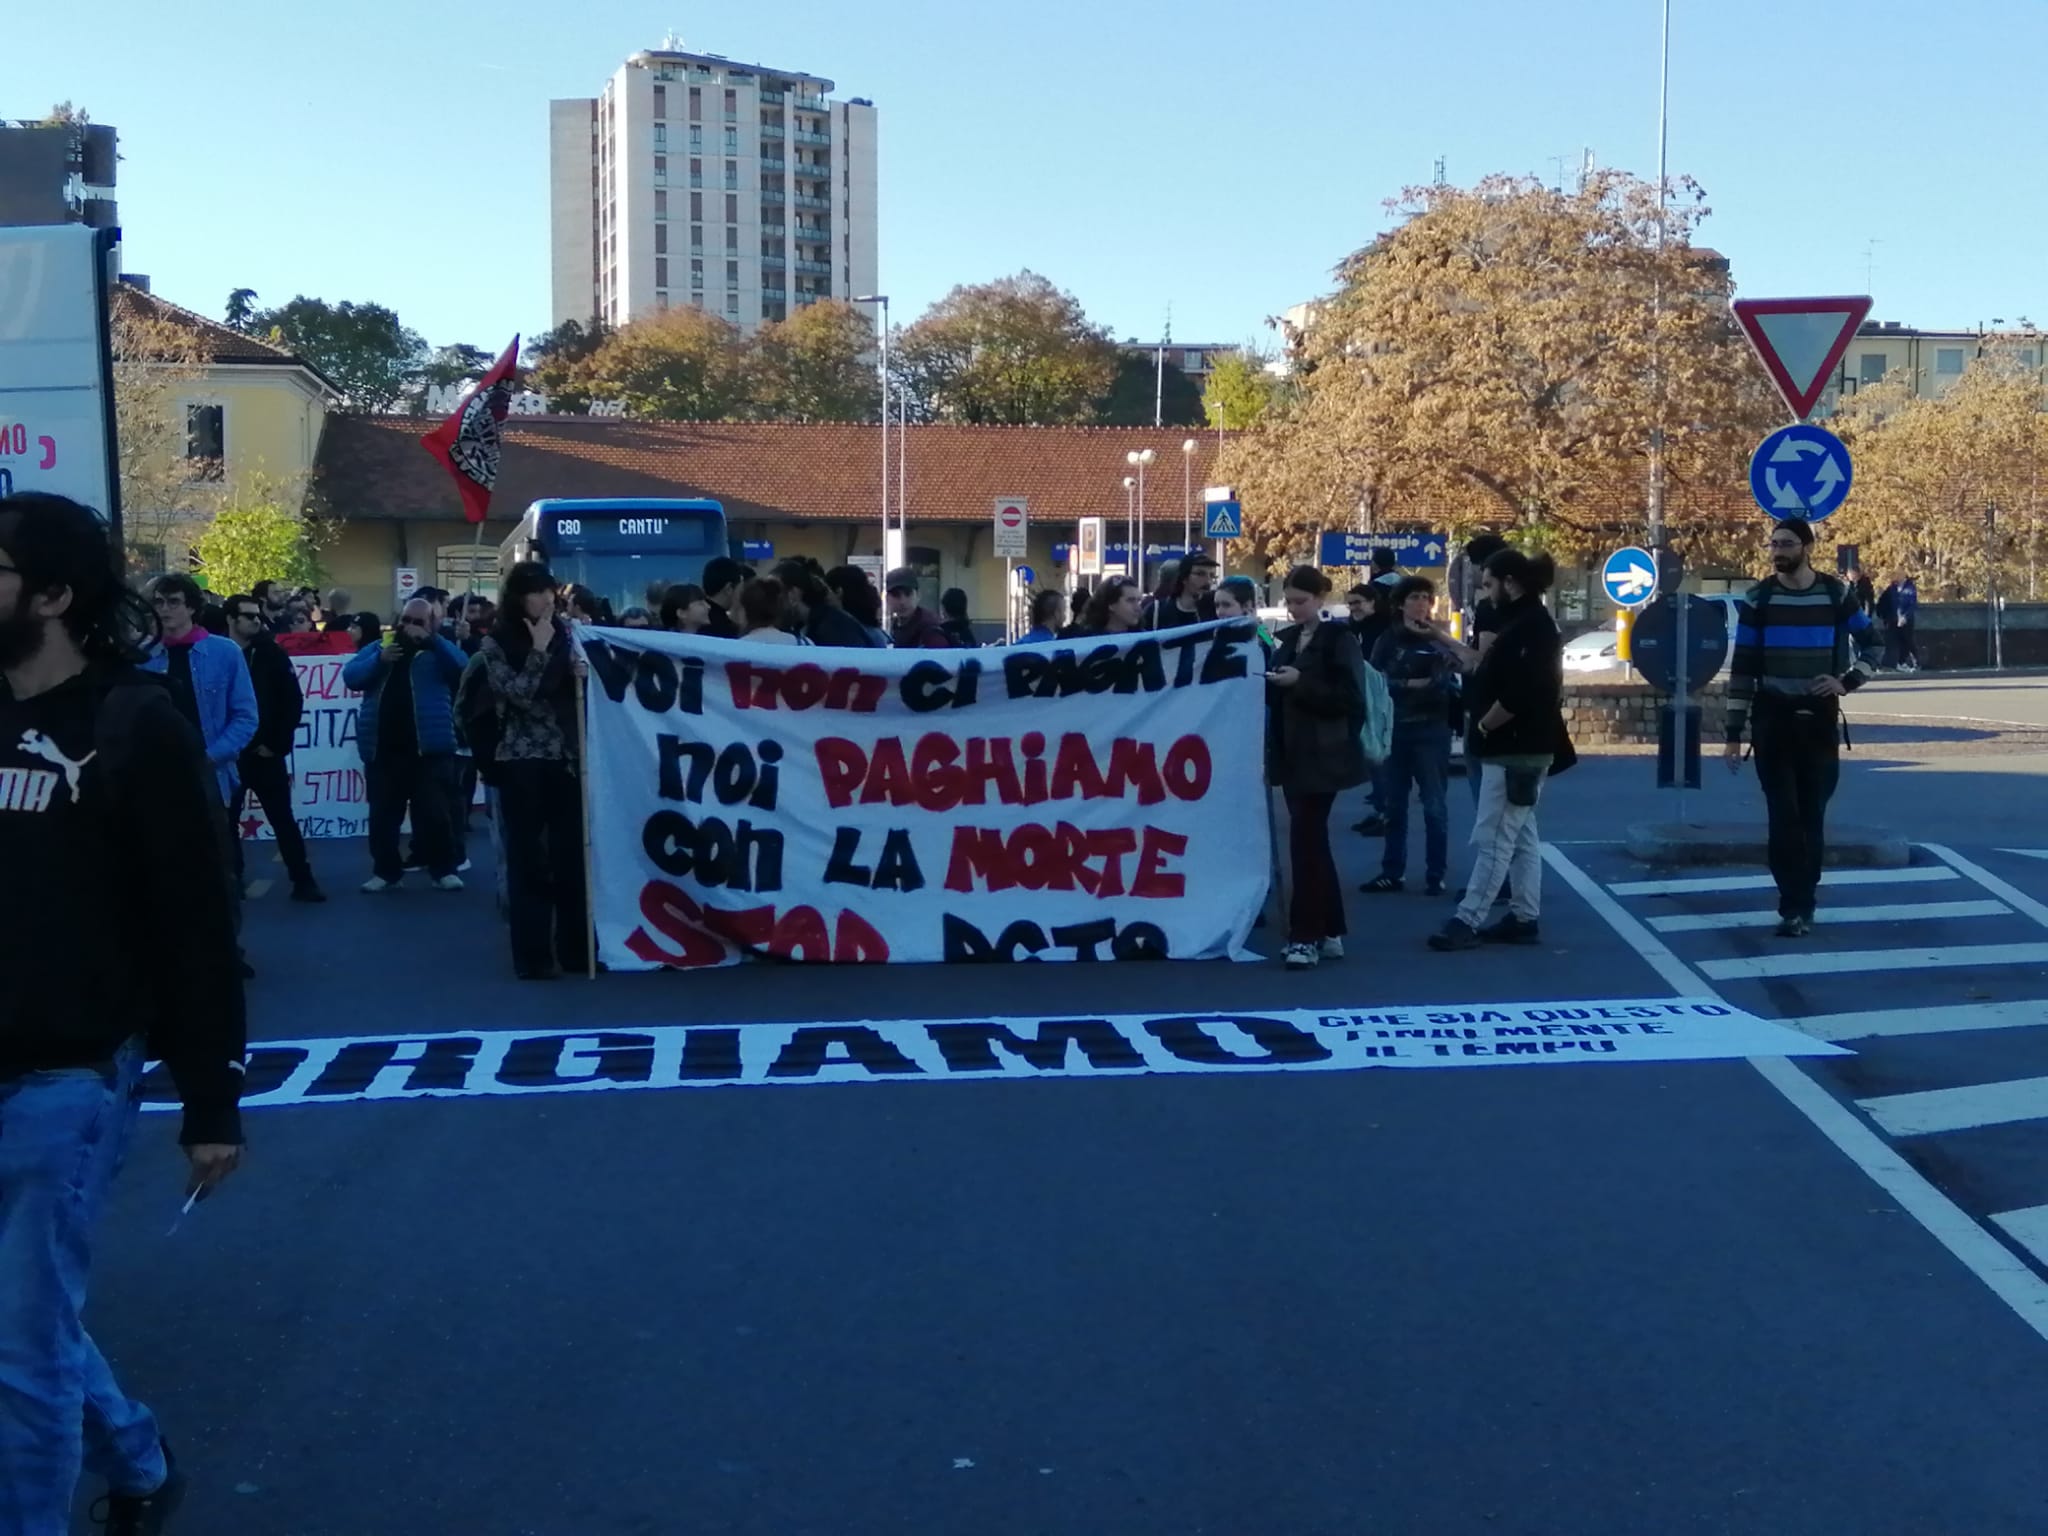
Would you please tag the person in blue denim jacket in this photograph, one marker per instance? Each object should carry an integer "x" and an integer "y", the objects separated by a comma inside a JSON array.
[{"x": 208, "y": 677}]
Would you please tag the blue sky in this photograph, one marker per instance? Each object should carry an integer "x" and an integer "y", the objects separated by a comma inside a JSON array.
[{"x": 1218, "y": 157}]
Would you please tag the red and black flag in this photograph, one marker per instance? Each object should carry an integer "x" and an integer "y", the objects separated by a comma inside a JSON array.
[{"x": 469, "y": 442}]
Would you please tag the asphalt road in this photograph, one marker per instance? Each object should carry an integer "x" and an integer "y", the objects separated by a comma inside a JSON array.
[{"x": 1552, "y": 1300}]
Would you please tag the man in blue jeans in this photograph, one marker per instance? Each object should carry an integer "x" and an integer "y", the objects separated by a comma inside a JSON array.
[
  {"x": 116, "y": 943},
  {"x": 1420, "y": 670}
]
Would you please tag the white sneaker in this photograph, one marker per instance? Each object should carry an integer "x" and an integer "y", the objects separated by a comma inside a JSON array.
[
  {"x": 376, "y": 886},
  {"x": 448, "y": 883},
  {"x": 1331, "y": 949},
  {"x": 462, "y": 868},
  {"x": 1300, "y": 957}
]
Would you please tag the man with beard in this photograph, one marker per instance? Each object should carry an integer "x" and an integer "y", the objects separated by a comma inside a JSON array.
[
  {"x": 116, "y": 945},
  {"x": 1795, "y": 656},
  {"x": 1192, "y": 597}
]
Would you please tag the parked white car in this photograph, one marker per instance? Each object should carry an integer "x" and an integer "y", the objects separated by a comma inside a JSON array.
[{"x": 1596, "y": 651}]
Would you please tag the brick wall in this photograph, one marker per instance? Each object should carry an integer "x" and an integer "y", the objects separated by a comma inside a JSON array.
[{"x": 1624, "y": 714}]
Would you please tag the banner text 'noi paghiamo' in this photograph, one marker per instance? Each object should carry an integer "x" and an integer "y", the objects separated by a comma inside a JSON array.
[{"x": 1094, "y": 800}]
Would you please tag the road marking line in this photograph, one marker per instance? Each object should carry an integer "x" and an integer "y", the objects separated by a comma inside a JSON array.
[
  {"x": 1833, "y": 879},
  {"x": 1901, "y": 912},
  {"x": 1939, "y": 1020},
  {"x": 2004, "y": 890},
  {"x": 256, "y": 890},
  {"x": 1960, "y": 1109},
  {"x": 2002, "y": 1271},
  {"x": 2028, "y": 1228},
  {"x": 1822, "y": 963}
]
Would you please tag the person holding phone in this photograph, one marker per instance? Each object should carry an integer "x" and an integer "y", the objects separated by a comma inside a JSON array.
[{"x": 1315, "y": 708}]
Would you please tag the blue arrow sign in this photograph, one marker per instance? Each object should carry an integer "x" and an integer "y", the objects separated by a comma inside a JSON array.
[
  {"x": 1412, "y": 551},
  {"x": 1026, "y": 576},
  {"x": 1222, "y": 520},
  {"x": 1629, "y": 577},
  {"x": 1800, "y": 471}
]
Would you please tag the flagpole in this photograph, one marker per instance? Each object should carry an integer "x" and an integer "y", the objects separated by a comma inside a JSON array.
[{"x": 583, "y": 801}]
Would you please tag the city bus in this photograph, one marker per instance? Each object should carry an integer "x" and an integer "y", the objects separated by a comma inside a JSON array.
[{"x": 615, "y": 547}]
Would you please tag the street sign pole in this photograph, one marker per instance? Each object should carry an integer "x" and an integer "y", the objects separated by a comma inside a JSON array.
[{"x": 1681, "y": 704}]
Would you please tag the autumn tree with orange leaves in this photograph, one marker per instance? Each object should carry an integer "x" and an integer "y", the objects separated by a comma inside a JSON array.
[{"x": 1489, "y": 362}]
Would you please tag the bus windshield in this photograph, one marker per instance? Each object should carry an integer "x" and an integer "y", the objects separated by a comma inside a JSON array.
[{"x": 617, "y": 549}]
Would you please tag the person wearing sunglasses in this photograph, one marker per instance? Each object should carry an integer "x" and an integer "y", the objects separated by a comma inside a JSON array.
[
  {"x": 1796, "y": 655},
  {"x": 405, "y": 731}
]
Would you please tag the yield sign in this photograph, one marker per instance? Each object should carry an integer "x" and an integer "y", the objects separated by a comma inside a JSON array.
[{"x": 1800, "y": 341}]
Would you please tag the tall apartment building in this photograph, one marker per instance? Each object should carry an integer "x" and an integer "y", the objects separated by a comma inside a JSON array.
[
  {"x": 57, "y": 172},
  {"x": 736, "y": 188}
]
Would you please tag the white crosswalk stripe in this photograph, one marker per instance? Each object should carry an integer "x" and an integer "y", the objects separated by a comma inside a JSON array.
[
  {"x": 1842, "y": 1028},
  {"x": 1959, "y": 1109},
  {"x": 1945, "y": 932},
  {"x": 2028, "y": 1228},
  {"x": 1898, "y": 912},
  {"x": 1834, "y": 879},
  {"x": 1810, "y": 962}
]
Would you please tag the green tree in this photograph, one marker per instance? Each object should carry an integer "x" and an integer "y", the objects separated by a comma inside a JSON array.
[
  {"x": 818, "y": 365},
  {"x": 1138, "y": 385},
  {"x": 1239, "y": 392},
  {"x": 1017, "y": 350},
  {"x": 678, "y": 365},
  {"x": 370, "y": 355},
  {"x": 454, "y": 363},
  {"x": 553, "y": 360},
  {"x": 241, "y": 309},
  {"x": 256, "y": 535}
]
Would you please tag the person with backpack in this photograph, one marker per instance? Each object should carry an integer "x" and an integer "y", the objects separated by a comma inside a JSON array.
[
  {"x": 536, "y": 763},
  {"x": 1795, "y": 658},
  {"x": 117, "y": 946},
  {"x": 1420, "y": 674}
]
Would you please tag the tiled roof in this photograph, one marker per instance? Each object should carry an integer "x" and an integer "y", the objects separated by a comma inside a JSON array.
[
  {"x": 217, "y": 342},
  {"x": 374, "y": 467}
]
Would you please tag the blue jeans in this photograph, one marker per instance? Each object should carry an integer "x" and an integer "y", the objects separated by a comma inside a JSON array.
[
  {"x": 1420, "y": 759},
  {"x": 62, "y": 1138}
]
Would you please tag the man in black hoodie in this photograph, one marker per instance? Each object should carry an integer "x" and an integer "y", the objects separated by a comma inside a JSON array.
[
  {"x": 116, "y": 944},
  {"x": 280, "y": 704}
]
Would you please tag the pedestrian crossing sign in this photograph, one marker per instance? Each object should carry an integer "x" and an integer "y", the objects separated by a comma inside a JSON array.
[{"x": 1222, "y": 520}]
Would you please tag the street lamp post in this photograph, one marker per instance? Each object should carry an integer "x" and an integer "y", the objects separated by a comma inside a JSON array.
[
  {"x": 1130, "y": 520},
  {"x": 883, "y": 300},
  {"x": 1187, "y": 497},
  {"x": 1141, "y": 457}
]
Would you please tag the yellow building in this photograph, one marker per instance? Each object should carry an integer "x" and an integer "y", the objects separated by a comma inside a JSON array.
[
  {"x": 207, "y": 415},
  {"x": 1931, "y": 362}
]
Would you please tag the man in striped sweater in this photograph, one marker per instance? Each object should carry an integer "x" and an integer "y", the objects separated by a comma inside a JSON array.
[{"x": 1795, "y": 656}]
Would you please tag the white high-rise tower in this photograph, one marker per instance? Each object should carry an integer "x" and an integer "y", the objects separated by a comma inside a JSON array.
[{"x": 739, "y": 189}]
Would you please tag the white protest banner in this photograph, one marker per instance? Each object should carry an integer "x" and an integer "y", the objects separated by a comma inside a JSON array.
[
  {"x": 1090, "y": 801},
  {"x": 328, "y": 793},
  {"x": 964, "y": 1048}
]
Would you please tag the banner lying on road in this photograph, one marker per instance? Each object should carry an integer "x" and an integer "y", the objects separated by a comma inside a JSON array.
[
  {"x": 1099, "y": 800},
  {"x": 709, "y": 1056},
  {"x": 328, "y": 794}
]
